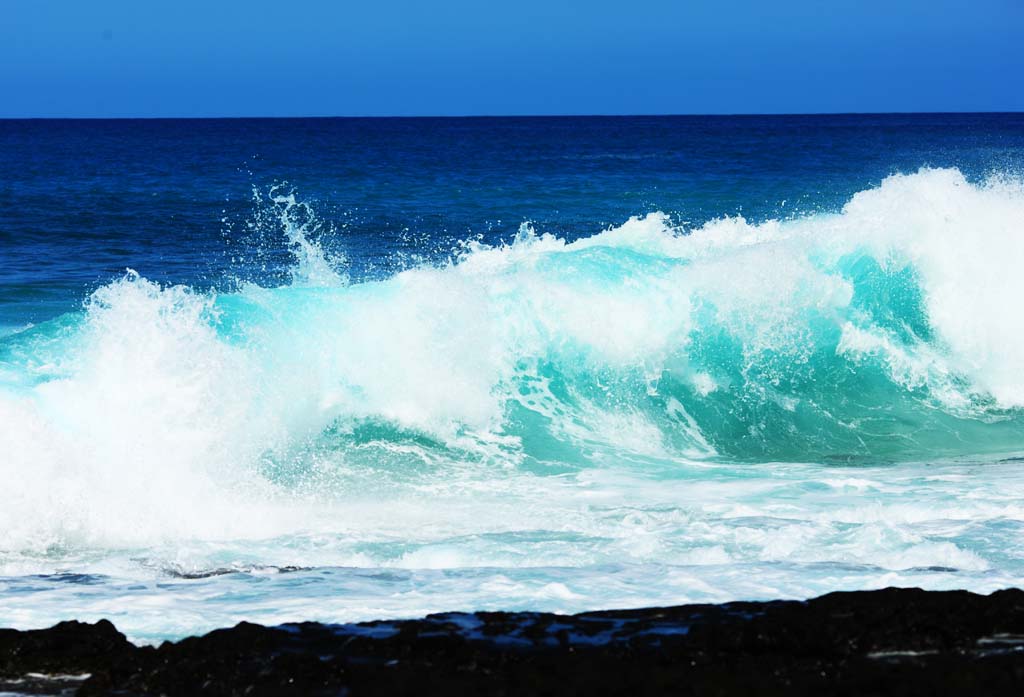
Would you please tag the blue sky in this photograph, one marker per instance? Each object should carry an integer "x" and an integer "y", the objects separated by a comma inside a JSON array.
[{"x": 452, "y": 57}]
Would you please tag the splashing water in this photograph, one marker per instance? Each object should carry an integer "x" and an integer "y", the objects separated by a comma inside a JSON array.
[{"x": 647, "y": 415}]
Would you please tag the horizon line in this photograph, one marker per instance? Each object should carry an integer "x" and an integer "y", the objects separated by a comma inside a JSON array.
[{"x": 511, "y": 116}]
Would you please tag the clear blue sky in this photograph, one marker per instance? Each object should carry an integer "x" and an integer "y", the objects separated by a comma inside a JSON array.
[{"x": 406, "y": 57}]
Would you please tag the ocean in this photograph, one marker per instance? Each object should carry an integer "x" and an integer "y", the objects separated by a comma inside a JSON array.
[{"x": 346, "y": 369}]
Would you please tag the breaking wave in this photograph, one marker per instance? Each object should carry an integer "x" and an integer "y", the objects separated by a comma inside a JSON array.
[{"x": 888, "y": 332}]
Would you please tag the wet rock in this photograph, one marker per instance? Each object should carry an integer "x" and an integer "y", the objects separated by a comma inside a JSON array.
[
  {"x": 68, "y": 647},
  {"x": 888, "y": 642}
]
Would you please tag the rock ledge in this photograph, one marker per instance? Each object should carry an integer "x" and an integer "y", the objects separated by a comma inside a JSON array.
[{"x": 886, "y": 642}]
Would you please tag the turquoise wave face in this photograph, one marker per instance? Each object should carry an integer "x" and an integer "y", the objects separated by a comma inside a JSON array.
[{"x": 872, "y": 335}]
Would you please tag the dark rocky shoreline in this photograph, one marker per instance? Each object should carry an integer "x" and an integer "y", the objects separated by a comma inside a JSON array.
[{"x": 886, "y": 642}]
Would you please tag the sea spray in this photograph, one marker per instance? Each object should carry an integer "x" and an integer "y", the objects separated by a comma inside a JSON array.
[{"x": 646, "y": 395}]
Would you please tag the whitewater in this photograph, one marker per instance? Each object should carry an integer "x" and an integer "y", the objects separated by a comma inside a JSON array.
[{"x": 649, "y": 414}]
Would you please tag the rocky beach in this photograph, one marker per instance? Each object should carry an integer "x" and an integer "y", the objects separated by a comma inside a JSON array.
[{"x": 885, "y": 642}]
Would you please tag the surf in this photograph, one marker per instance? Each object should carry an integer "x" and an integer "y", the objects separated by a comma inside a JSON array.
[{"x": 886, "y": 332}]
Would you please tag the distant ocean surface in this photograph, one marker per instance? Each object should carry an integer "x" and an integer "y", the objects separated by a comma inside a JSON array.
[{"x": 347, "y": 369}]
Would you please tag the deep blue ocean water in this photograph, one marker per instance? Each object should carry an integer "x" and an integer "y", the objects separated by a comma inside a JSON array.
[
  {"x": 87, "y": 199},
  {"x": 340, "y": 369}
]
